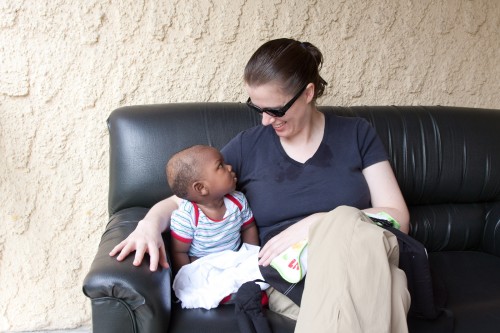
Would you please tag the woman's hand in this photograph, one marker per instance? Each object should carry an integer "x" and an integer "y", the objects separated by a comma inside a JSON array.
[
  {"x": 144, "y": 239},
  {"x": 282, "y": 241}
]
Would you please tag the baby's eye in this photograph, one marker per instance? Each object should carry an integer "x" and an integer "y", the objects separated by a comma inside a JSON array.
[{"x": 221, "y": 165}]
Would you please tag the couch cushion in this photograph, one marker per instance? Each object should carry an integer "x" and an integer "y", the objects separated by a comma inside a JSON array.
[
  {"x": 137, "y": 161},
  {"x": 219, "y": 320},
  {"x": 449, "y": 227},
  {"x": 472, "y": 284}
]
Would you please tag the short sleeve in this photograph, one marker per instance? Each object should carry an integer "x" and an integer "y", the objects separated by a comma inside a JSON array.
[
  {"x": 181, "y": 224},
  {"x": 371, "y": 147},
  {"x": 246, "y": 212}
]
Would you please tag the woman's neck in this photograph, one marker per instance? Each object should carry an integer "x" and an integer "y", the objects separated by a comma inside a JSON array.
[{"x": 305, "y": 143}]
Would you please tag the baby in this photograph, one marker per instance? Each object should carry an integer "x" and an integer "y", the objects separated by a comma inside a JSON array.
[{"x": 212, "y": 216}]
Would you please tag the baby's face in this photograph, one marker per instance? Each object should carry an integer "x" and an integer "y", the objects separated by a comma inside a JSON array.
[{"x": 218, "y": 175}]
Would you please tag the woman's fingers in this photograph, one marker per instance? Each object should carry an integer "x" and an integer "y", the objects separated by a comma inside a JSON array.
[
  {"x": 139, "y": 254},
  {"x": 117, "y": 249},
  {"x": 139, "y": 243},
  {"x": 163, "y": 257},
  {"x": 282, "y": 241},
  {"x": 272, "y": 249}
]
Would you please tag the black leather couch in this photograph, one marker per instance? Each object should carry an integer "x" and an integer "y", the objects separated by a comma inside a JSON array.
[{"x": 447, "y": 162}]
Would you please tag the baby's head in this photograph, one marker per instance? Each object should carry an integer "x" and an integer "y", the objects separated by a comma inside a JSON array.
[
  {"x": 199, "y": 171},
  {"x": 184, "y": 168}
]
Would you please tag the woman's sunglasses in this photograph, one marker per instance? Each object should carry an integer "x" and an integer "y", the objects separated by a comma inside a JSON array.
[{"x": 276, "y": 112}]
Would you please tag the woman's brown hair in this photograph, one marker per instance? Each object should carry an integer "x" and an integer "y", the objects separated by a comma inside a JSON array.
[{"x": 288, "y": 62}]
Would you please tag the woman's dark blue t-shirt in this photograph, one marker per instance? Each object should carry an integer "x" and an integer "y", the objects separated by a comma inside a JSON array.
[{"x": 281, "y": 190}]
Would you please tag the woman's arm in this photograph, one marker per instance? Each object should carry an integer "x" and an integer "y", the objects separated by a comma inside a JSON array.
[
  {"x": 146, "y": 238},
  {"x": 385, "y": 193}
]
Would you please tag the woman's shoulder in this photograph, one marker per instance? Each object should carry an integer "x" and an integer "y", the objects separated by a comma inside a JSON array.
[
  {"x": 332, "y": 118},
  {"x": 254, "y": 132},
  {"x": 346, "y": 123},
  {"x": 250, "y": 137},
  {"x": 245, "y": 144}
]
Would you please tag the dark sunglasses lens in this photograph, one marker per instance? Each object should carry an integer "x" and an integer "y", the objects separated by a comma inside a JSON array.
[
  {"x": 253, "y": 107},
  {"x": 274, "y": 112},
  {"x": 278, "y": 112},
  {"x": 269, "y": 111}
]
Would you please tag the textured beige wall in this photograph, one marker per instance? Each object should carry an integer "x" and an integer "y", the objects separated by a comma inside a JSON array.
[{"x": 64, "y": 66}]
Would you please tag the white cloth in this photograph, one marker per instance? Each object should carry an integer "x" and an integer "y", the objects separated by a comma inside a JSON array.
[{"x": 206, "y": 281}]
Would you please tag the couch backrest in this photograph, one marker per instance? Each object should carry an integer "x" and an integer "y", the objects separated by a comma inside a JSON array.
[{"x": 446, "y": 160}]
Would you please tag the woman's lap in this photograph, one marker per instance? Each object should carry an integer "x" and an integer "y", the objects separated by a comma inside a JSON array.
[{"x": 355, "y": 262}]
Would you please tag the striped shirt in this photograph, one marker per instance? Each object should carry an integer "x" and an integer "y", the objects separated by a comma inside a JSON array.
[{"x": 190, "y": 225}]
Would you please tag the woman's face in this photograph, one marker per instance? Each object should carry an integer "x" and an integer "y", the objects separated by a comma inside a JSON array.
[{"x": 270, "y": 95}]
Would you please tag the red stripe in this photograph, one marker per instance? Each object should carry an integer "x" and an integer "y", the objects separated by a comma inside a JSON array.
[
  {"x": 248, "y": 222},
  {"x": 196, "y": 214},
  {"x": 236, "y": 202},
  {"x": 226, "y": 299},
  {"x": 180, "y": 238}
]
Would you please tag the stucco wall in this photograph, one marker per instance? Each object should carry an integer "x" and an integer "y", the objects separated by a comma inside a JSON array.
[{"x": 64, "y": 65}]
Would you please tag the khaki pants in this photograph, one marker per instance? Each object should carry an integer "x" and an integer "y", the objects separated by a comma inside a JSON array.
[{"x": 353, "y": 281}]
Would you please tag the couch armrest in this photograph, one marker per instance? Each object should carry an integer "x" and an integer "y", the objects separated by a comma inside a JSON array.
[{"x": 126, "y": 298}]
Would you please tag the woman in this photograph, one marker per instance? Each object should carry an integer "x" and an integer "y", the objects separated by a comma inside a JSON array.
[{"x": 299, "y": 171}]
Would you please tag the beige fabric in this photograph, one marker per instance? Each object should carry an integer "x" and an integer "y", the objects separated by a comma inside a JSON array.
[
  {"x": 281, "y": 304},
  {"x": 353, "y": 283}
]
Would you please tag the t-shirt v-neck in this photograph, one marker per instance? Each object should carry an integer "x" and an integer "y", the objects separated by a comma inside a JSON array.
[{"x": 282, "y": 150}]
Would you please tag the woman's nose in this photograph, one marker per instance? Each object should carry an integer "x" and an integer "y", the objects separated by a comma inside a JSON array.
[{"x": 267, "y": 119}]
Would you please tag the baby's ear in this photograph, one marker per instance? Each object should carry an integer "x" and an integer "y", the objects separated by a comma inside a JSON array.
[{"x": 200, "y": 188}]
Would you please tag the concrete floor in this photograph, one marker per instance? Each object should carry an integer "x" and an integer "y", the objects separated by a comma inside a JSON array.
[{"x": 75, "y": 330}]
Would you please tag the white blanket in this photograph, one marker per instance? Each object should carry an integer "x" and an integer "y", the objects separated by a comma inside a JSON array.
[{"x": 206, "y": 281}]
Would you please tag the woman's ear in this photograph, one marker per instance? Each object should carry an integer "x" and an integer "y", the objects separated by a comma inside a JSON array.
[{"x": 310, "y": 92}]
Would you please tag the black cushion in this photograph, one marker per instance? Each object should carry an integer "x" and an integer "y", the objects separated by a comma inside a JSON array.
[
  {"x": 472, "y": 285},
  {"x": 221, "y": 319}
]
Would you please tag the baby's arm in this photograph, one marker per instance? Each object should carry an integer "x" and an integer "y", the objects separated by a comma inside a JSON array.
[
  {"x": 249, "y": 234},
  {"x": 180, "y": 255}
]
